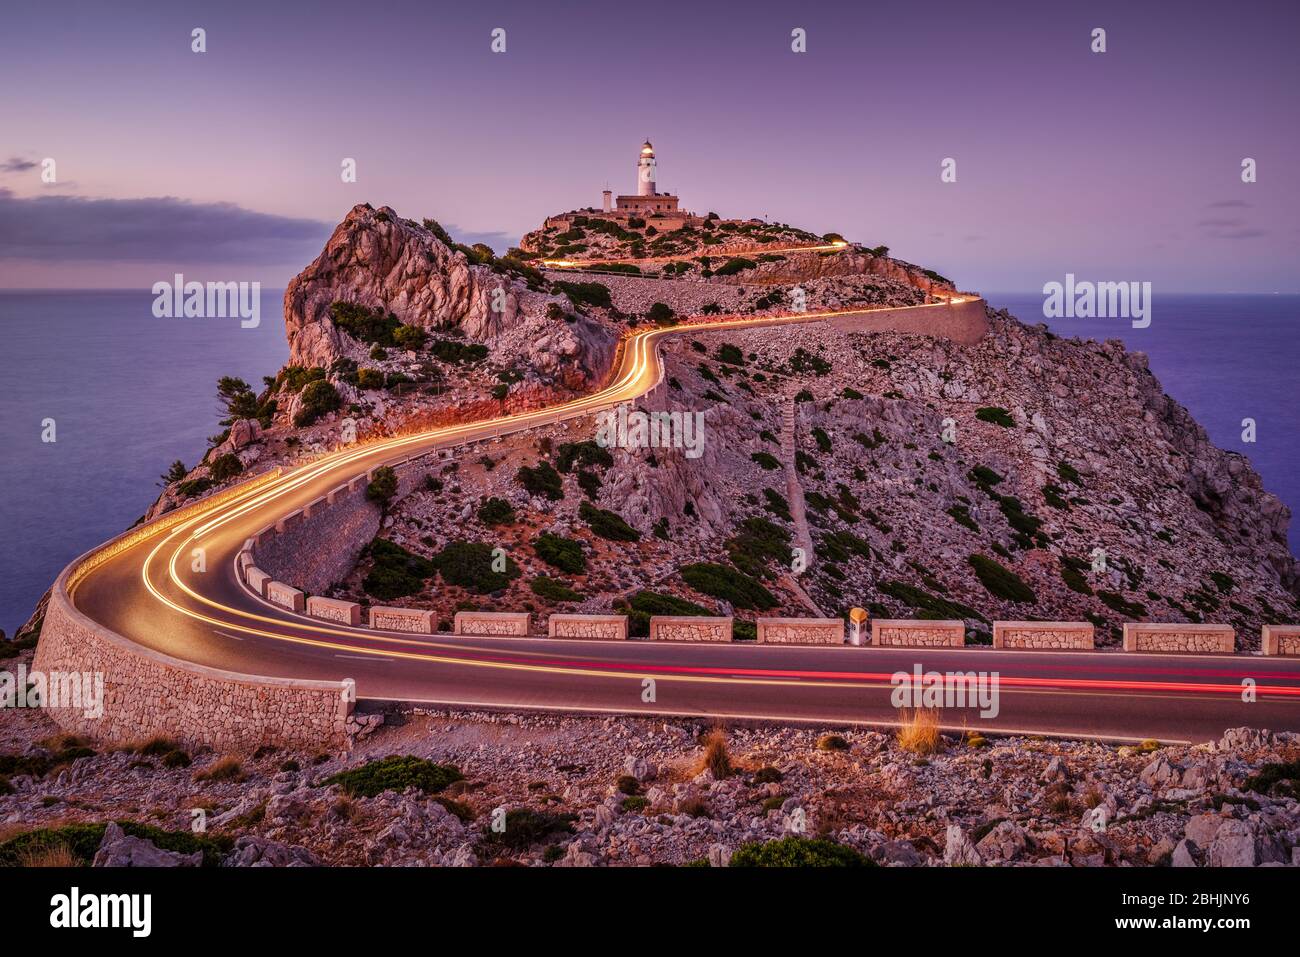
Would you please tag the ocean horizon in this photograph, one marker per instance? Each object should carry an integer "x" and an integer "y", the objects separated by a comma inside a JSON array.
[{"x": 144, "y": 394}]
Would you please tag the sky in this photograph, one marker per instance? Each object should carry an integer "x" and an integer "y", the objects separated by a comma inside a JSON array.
[{"x": 225, "y": 165}]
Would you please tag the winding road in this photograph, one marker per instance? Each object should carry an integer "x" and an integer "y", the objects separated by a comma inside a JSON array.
[{"x": 143, "y": 588}]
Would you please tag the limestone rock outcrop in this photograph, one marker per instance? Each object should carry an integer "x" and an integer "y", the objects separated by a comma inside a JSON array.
[{"x": 378, "y": 260}]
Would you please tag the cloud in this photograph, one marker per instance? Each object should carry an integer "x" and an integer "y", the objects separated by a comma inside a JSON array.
[
  {"x": 499, "y": 242},
  {"x": 161, "y": 229},
  {"x": 16, "y": 164},
  {"x": 1230, "y": 228}
]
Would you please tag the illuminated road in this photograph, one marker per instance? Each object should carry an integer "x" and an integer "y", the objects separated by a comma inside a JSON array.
[{"x": 143, "y": 588}]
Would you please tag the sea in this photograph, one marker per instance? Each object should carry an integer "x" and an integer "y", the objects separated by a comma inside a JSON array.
[{"x": 123, "y": 394}]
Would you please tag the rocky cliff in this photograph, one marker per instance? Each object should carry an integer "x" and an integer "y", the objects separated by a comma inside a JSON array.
[{"x": 380, "y": 261}]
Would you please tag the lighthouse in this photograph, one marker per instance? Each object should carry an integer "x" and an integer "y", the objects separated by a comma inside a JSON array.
[{"x": 645, "y": 170}]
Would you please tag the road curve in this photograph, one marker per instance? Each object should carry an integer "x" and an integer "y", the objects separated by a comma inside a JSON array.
[{"x": 144, "y": 589}]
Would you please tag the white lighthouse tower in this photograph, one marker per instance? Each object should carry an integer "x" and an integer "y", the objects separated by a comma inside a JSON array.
[{"x": 645, "y": 170}]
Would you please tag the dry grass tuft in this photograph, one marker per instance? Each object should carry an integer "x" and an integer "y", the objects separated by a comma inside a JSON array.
[
  {"x": 920, "y": 733},
  {"x": 716, "y": 757},
  {"x": 225, "y": 769},
  {"x": 56, "y": 855}
]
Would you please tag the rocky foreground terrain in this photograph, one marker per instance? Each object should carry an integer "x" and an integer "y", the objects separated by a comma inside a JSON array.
[{"x": 427, "y": 787}]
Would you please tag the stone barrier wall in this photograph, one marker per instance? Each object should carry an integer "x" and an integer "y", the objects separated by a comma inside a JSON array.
[
  {"x": 800, "y": 631},
  {"x": 286, "y": 596},
  {"x": 1189, "y": 639},
  {"x": 491, "y": 623},
  {"x": 334, "y": 609},
  {"x": 412, "y": 620},
  {"x": 1280, "y": 640},
  {"x": 903, "y": 632},
  {"x": 1044, "y": 635},
  {"x": 147, "y": 693},
  {"x": 319, "y": 544},
  {"x": 688, "y": 628},
  {"x": 257, "y": 579},
  {"x": 613, "y": 627}
]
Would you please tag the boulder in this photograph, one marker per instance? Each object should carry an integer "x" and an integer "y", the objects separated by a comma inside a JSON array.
[{"x": 118, "y": 849}]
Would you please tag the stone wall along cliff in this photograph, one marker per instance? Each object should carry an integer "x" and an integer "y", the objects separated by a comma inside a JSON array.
[
  {"x": 926, "y": 634},
  {"x": 1174, "y": 637},
  {"x": 800, "y": 631},
  {"x": 609, "y": 627},
  {"x": 1044, "y": 635},
  {"x": 147, "y": 693},
  {"x": 686, "y": 628}
]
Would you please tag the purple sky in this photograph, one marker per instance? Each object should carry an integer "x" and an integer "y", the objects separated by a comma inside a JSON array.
[{"x": 1123, "y": 165}]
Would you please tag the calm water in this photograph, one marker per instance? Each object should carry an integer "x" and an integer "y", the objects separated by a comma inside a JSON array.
[{"x": 130, "y": 393}]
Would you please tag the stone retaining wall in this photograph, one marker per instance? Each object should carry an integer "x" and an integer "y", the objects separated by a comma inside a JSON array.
[
  {"x": 319, "y": 544},
  {"x": 412, "y": 620},
  {"x": 1043, "y": 635},
  {"x": 1189, "y": 639},
  {"x": 334, "y": 609},
  {"x": 612, "y": 627},
  {"x": 905, "y": 632},
  {"x": 286, "y": 596},
  {"x": 688, "y": 628},
  {"x": 1280, "y": 640},
  {"x": 147, "y": 693},
  {"x": 490, "y": 623},
  {"x": 800, "y": 631}
]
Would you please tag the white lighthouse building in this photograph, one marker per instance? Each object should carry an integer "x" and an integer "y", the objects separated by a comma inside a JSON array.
[
  {"x": 645, "y": 170},
  {"x": 647, "y": 208},
  {"x": 648, "y": 201}
]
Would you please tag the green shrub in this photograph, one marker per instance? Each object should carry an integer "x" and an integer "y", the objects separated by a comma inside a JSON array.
[
  {"x": 83, "y": 841},
  {"x": 586, "y": 293},
  {"x": 469, "y": 565},
  {"x": 382, "y": 487},
  {"x": 1279, "y": 778},
  {"x": 496, "y": 511},
  {"x": 995, "y": 414},
  {"x": 731, "y": 354},
  {"x": 930, "y": 606},
  {"x": 225, "y": 467},
  {"x": 318, "y": 398},
  {"x": 768, "y": 775},
  {"x": 1068, "y": 473},
  {"x": 1000, "y": 581},
  {"x": 586, "y": 453},
  {"x": 395, "y": 572},
  {"x": 765, "y": 460},
  {"x": 566, "y": 554},
  {"x": 457, "y": 353},
  {"x": 729, "y": 584},
  {"x": 660, "y": 313},
  {"x": 364, "y": 325},
  {"x": 410, "y": 337},
  {"x": 553, "y": 590},
  {"x": 525, "y": 827},
  {"x": 395, "y": 773},
  {"x": 541, "y": 479},
  {"x": 370, "y": 379},
  {"x": 590, "y": 484},
  {"x": 1117, "y": 602},
  {"x": 1075, "y": 581},
  {"x": 798, "y": 852},
  {"x": 756, "y": 543},
  {"x": 735, "y": 264},
  {"x": 607, "y": 525},
  {"x": 822, "y": 439}
]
